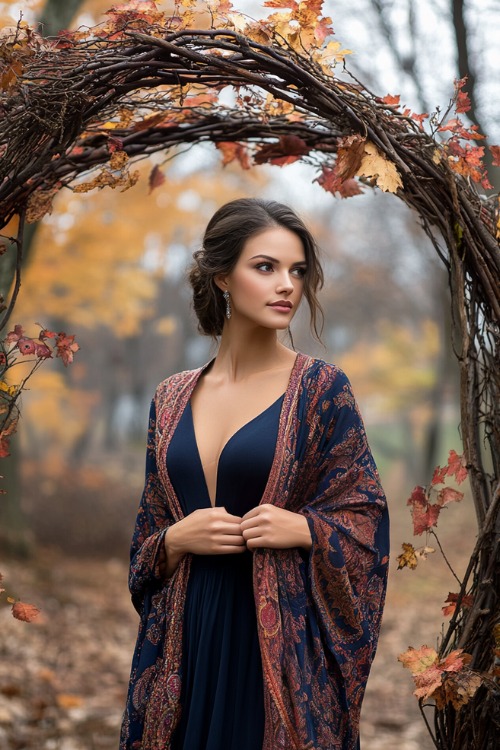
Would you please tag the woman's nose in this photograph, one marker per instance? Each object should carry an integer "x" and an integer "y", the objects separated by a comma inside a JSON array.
[{"x": 285, "y": 283}]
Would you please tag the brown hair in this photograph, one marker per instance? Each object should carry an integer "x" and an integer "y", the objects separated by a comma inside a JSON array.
[{"x": 225, "y": 236}]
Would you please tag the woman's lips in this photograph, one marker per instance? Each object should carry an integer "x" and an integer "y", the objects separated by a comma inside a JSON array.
[{"x": 283, "y": 307}]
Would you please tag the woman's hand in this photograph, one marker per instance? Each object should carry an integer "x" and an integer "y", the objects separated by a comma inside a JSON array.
[
  {"x": 206, "y": 531},
  {"x": 269, "y": 526}
]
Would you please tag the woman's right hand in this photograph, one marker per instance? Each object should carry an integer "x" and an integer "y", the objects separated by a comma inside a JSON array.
[{"x": 206, "y": 531}]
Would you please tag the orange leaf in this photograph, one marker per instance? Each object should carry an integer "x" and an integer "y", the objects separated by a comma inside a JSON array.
[
  {"x": 25, "y": 612},
  {"x": 463, "y": 102},
  {"x": 391, "y": 100},
  {"x": 232, "y": 151},
  {"x": 418, "y": 660},
  {"x": 495, "y": 150}
]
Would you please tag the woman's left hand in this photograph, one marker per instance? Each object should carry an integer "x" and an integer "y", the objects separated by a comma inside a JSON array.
[{"x": 269, "y": 526}]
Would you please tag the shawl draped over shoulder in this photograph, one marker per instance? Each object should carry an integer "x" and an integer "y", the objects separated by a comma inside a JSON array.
[{"x": 318, "y": 612}]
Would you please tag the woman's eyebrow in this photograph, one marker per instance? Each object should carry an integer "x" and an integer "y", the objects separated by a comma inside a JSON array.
[{"x": 274, "y": 260}]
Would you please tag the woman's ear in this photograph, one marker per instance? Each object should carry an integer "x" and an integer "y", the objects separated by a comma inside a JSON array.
[{"x": 221, "y": 282}]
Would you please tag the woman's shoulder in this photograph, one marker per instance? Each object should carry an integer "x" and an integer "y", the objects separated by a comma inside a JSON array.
[
  {"x": 174, "y": 383},
  {"x": 328, "y": 373}
]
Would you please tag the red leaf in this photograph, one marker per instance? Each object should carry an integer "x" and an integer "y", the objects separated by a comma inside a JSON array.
[
  {"x": 495, "y": 150},
  {"x": 15, "y": 335},
  {"x": 349, "y": 188},
  {"x": 66, "y": 348},
  {"x": 329, "y": 179},
  {"x": 451, "y": 601},
  {"x": 25, "y": 612},
  {"x": 456, "y": 467},
  {"x": 156, "y": 178},
  {"x": 26, "y": 346},
  {"x": 418, "y": 497},
  {"x": 439, "y": 475},
  {"x": 46, "y": 334},
  {"x": 449, "y": 495},
  {"x": 288, "y": 149},
  {"x": 42, "y": 350},
  {"x": 425, "y": 518}
]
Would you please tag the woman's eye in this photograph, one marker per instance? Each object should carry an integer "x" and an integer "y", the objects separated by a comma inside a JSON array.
[
  {"x": 299, "y": 272},
  {"x": 265, "y": 267}
]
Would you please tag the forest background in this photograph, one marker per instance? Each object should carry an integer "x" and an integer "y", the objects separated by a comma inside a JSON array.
[{"x": 110, "y": 267}]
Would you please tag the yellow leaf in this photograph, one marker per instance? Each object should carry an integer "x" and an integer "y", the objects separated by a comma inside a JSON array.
[
  {"x": 408, "y": 558},
  {"x": 9, "y": 389},
  {"x": 374, "y": 164}
]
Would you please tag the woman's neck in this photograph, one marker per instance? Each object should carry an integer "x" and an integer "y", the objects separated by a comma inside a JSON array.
[{"x": 241, "y": 357}]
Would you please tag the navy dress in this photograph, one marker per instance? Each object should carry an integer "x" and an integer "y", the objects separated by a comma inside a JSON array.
[{"x": 222, "y": 684}]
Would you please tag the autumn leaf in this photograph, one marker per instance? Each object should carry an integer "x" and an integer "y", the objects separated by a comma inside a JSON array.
[
  {"x": 350, "y": 151},
  {"x": 39, "y": 204},
  {"x": 24, "y": 612},
  {"x": 288, "y": 149},
  {"x": 375, "y": 165},
  {"x": 392, "y": 101},
  {"x": 449, "y": 495},
  {"x": 457, "y": 467},
  {"x": 156, "y": 178},
  {"x": 424, "y": 514},
  {"x": 451, "y": 602},
  {"x": 231, "y": 151},
  {"x": 445, "y": 680},
  {"x": 463, "y": 102},
  {"x": 457, "y": 689},
  {"x": 10, "y": 390},
  {"x": 66, "y": 348},
  {"x": 26, "y": 345},
  {"x": 495, "y": 151},
  {"x": 15, "y": 335},
  {"x": 439, "y": 476},
  {"x": 455, "y": 125},
  {"x": 349, "y": 188},
  {"x": 418, "y": 660},
  {"x": 408, "y": 558}
]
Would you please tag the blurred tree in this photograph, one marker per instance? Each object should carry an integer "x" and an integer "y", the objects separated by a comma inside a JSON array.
[{"x": 108, "y": 263}]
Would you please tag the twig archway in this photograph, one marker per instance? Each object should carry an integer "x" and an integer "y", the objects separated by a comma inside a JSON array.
[{"x": 144, "y": 83}]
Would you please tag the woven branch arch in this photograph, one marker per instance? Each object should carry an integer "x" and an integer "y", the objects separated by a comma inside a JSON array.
[{"x": 54, "y": 129}]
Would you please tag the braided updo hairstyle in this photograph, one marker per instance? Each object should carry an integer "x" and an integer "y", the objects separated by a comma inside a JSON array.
[{"x": 225, "y": 236}]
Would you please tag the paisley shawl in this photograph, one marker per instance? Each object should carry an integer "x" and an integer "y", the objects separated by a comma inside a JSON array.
[{"x": 318, "y": 612}]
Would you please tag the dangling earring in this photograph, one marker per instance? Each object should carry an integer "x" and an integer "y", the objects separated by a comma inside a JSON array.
[{"x": 228, "y": 304}]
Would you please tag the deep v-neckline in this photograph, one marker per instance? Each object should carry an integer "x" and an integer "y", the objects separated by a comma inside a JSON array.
[{"x": 225, "y": 446}]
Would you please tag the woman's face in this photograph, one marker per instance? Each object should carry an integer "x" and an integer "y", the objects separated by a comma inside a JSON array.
[{"x": 266, "y": 284}]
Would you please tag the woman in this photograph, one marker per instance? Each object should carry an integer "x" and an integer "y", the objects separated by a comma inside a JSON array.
[{"x": 259, "y": 559}]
